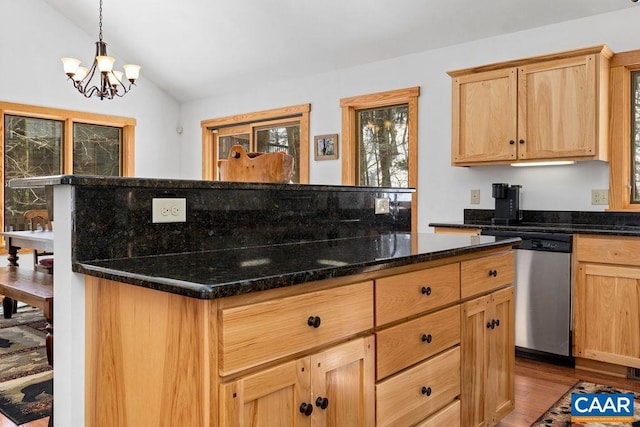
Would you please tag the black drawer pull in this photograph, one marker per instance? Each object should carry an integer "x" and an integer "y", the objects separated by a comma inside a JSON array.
[
  {"x": 306, "y": 408},
  {"x": 512, "y": 142},
  {"x": 426, "y": 290},
  {"x": 493, "y": 273},
  {"x": 322, "y": 402},
  {"x": 314, "y": 321},
  {"x": 426, "y": 391},
  {"x": 496, "y": 322},
  {"x": 427, "y": 338},
  {"x": 521, "y": 141}
]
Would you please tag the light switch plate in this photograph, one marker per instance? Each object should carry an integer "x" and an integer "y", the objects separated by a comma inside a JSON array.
[
  {"x": 169, "y": 210},
  {"x": 599, "y": 197},
  {"x": 475, "y": 197}
]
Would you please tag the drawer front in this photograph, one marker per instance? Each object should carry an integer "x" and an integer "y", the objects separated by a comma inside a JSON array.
[
  {"x": 485, "y": 274},
  {"x": 449, "y": 417},
  {"x": 257, "y": 333},
  {"x": 413, "y": 395},
  {"x": 608, "y": 250},
  {"x": 404, "y": 295},
  {"x": 408, "y": 343}
]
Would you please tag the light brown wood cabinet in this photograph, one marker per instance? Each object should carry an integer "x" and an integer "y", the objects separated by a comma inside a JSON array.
[
  {"x": 551, "y": 107},
  {"x": 392, "y": 347},
  {"x": 488, "y": 358},
  {"x": 607, "y": 299},
  {"x": 330, "y": 388}
]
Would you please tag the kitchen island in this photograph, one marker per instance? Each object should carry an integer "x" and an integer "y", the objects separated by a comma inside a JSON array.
[{"x": 325, "y": 314}]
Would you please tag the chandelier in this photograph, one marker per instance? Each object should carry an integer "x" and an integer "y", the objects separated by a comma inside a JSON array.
[{"x": 111, "y": 82}]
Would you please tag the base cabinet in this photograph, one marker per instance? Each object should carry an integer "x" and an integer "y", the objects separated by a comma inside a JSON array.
[
  {"x": 332, "y": 388},
  {"x": 488, "y": 358},
  {"x": 607, "y": 299}
]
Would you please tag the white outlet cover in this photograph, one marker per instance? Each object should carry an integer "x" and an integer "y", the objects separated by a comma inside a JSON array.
[{"x": 168, "y": 210}]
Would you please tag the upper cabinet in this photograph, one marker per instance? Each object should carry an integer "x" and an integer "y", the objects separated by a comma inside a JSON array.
[{"x": 552, "y": 107}]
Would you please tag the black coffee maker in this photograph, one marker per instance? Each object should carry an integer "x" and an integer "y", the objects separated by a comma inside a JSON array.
[{"x": 507, "y": 204}]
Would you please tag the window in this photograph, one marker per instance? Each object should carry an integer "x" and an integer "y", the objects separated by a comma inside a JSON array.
[
  {"x": 40, "y": 141},
  {"x": 383, "y": 147},
  {"x": 282, "y": 129},
  {"x": 624, "y": 162},
  {"x": 380, "y": 141}
]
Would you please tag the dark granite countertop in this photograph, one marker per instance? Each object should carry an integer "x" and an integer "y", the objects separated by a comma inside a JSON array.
[
  {"x": 616, "y": 230},
  {"x": 221, "y": 273},
  {"x": 571, "y": 222},
  {"x": 114, "y": 181}
]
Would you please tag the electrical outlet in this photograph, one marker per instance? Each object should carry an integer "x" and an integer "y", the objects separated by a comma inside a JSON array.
[
  {"x": 169, "y": 210},
  {"x": 599, "y": 197},
  {"x": 382, "y": 205},
  {"x": 475, "y": 197}
]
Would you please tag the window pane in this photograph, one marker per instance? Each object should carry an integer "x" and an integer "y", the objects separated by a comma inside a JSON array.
[
  {"x": 32, "y": 147},
  {"x": 635, "y": 137},
  {"x": 226, "y": 142},
  {"x": 383, "y": 147},
  {"x": 96, "y": 150},
  {"x": 281, "y": 138}
]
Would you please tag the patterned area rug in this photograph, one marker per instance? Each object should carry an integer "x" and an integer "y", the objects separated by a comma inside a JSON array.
[
  {"x": 559, "y": 415},
  {"x": 26, "y": 379}
]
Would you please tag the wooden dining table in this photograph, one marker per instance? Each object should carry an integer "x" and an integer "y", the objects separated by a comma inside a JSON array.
[{"x": 41, "y": 240}]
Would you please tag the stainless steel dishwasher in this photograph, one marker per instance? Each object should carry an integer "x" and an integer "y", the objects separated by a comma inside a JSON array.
[{"x": 543, "y": 295}]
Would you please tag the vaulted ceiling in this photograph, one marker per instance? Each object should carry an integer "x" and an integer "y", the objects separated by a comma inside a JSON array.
[{"x": 197, "y": 48}]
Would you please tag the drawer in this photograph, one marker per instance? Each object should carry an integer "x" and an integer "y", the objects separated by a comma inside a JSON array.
[
  {"x": 449, "y": 417},
  {"x": 485, "y": 274},
  {"x": 413, "y": 395},
  {"x": 404, "y": 295},
  {"x": 257, "y": 333},
  {"x": 408, "y": 343},
  {"x": 608, "y": 250}
]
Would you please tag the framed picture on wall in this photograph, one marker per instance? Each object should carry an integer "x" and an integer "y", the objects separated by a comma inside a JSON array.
[{"x": 325, "y": 147}]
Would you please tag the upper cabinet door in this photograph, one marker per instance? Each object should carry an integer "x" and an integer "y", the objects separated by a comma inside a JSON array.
[
  {"x": 484, "y": 117},
  {"x": 558, "y": 108}
]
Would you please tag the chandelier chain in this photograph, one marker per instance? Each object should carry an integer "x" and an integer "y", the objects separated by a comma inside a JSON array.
[{"x": 100, "y": 22}]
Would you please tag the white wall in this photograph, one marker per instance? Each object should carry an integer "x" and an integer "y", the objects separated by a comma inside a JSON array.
[
  {"x": 443, "y": 190},
  {"x": 33, "y": 38}
]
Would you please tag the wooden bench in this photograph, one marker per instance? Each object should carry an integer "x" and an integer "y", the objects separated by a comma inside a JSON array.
[{"x": 31, "y": 287}]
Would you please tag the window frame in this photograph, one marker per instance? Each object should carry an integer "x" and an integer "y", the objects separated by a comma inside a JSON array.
[
  {"x": 253, "y": 121},
  {"x": 350, "y": 107},
  {"x": 68, "y": 118},
  {"x": 621, "y": 67}
]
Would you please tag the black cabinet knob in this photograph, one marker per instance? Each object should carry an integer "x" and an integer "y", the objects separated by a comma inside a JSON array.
[
  {"x": 426, "y": 391},
  {"x": 427, "y": 338},
  {"x": 322, "y": 402},
  {"x": 496, "y": 321},
  {"x": 426, "y": 290},
  {"x": 306, "y": 408},
  {"x": 521, "y": 141},
  {"x": 491, "y": 325},
  {"x": 512, "y": 142},
  {"x": 314, "y": 321},
  {"x": 493, "y": 273}
]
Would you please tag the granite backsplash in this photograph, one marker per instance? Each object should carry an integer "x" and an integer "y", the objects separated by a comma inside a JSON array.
[{"x": 114, "y": 221}]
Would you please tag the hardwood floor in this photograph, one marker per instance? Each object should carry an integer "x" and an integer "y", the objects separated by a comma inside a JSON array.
[{"x": 538, "y": 386}]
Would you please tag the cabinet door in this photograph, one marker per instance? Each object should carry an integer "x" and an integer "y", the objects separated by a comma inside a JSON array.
[
  {"x": 501, "y": 356},
  {"x": 474, "y": 354},
  {"x": 558, "y": 108},
  {"x": 272, "y": 397},
  {"x": 484, "y": 114},
  {"x": 344, "y": 376},
  {"x": 607, "y": 314},
  {"x": 488, "y": 358}
]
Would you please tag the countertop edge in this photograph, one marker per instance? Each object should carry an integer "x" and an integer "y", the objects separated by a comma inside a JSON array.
[
  {"x": 106, "y": 181},
  {"x": 556, "y": 228},
  {"x": 205, "y": 291}
]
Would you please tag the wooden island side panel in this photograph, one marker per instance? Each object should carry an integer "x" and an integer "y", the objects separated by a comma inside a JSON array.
[{"x": 148, "y": 361}]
